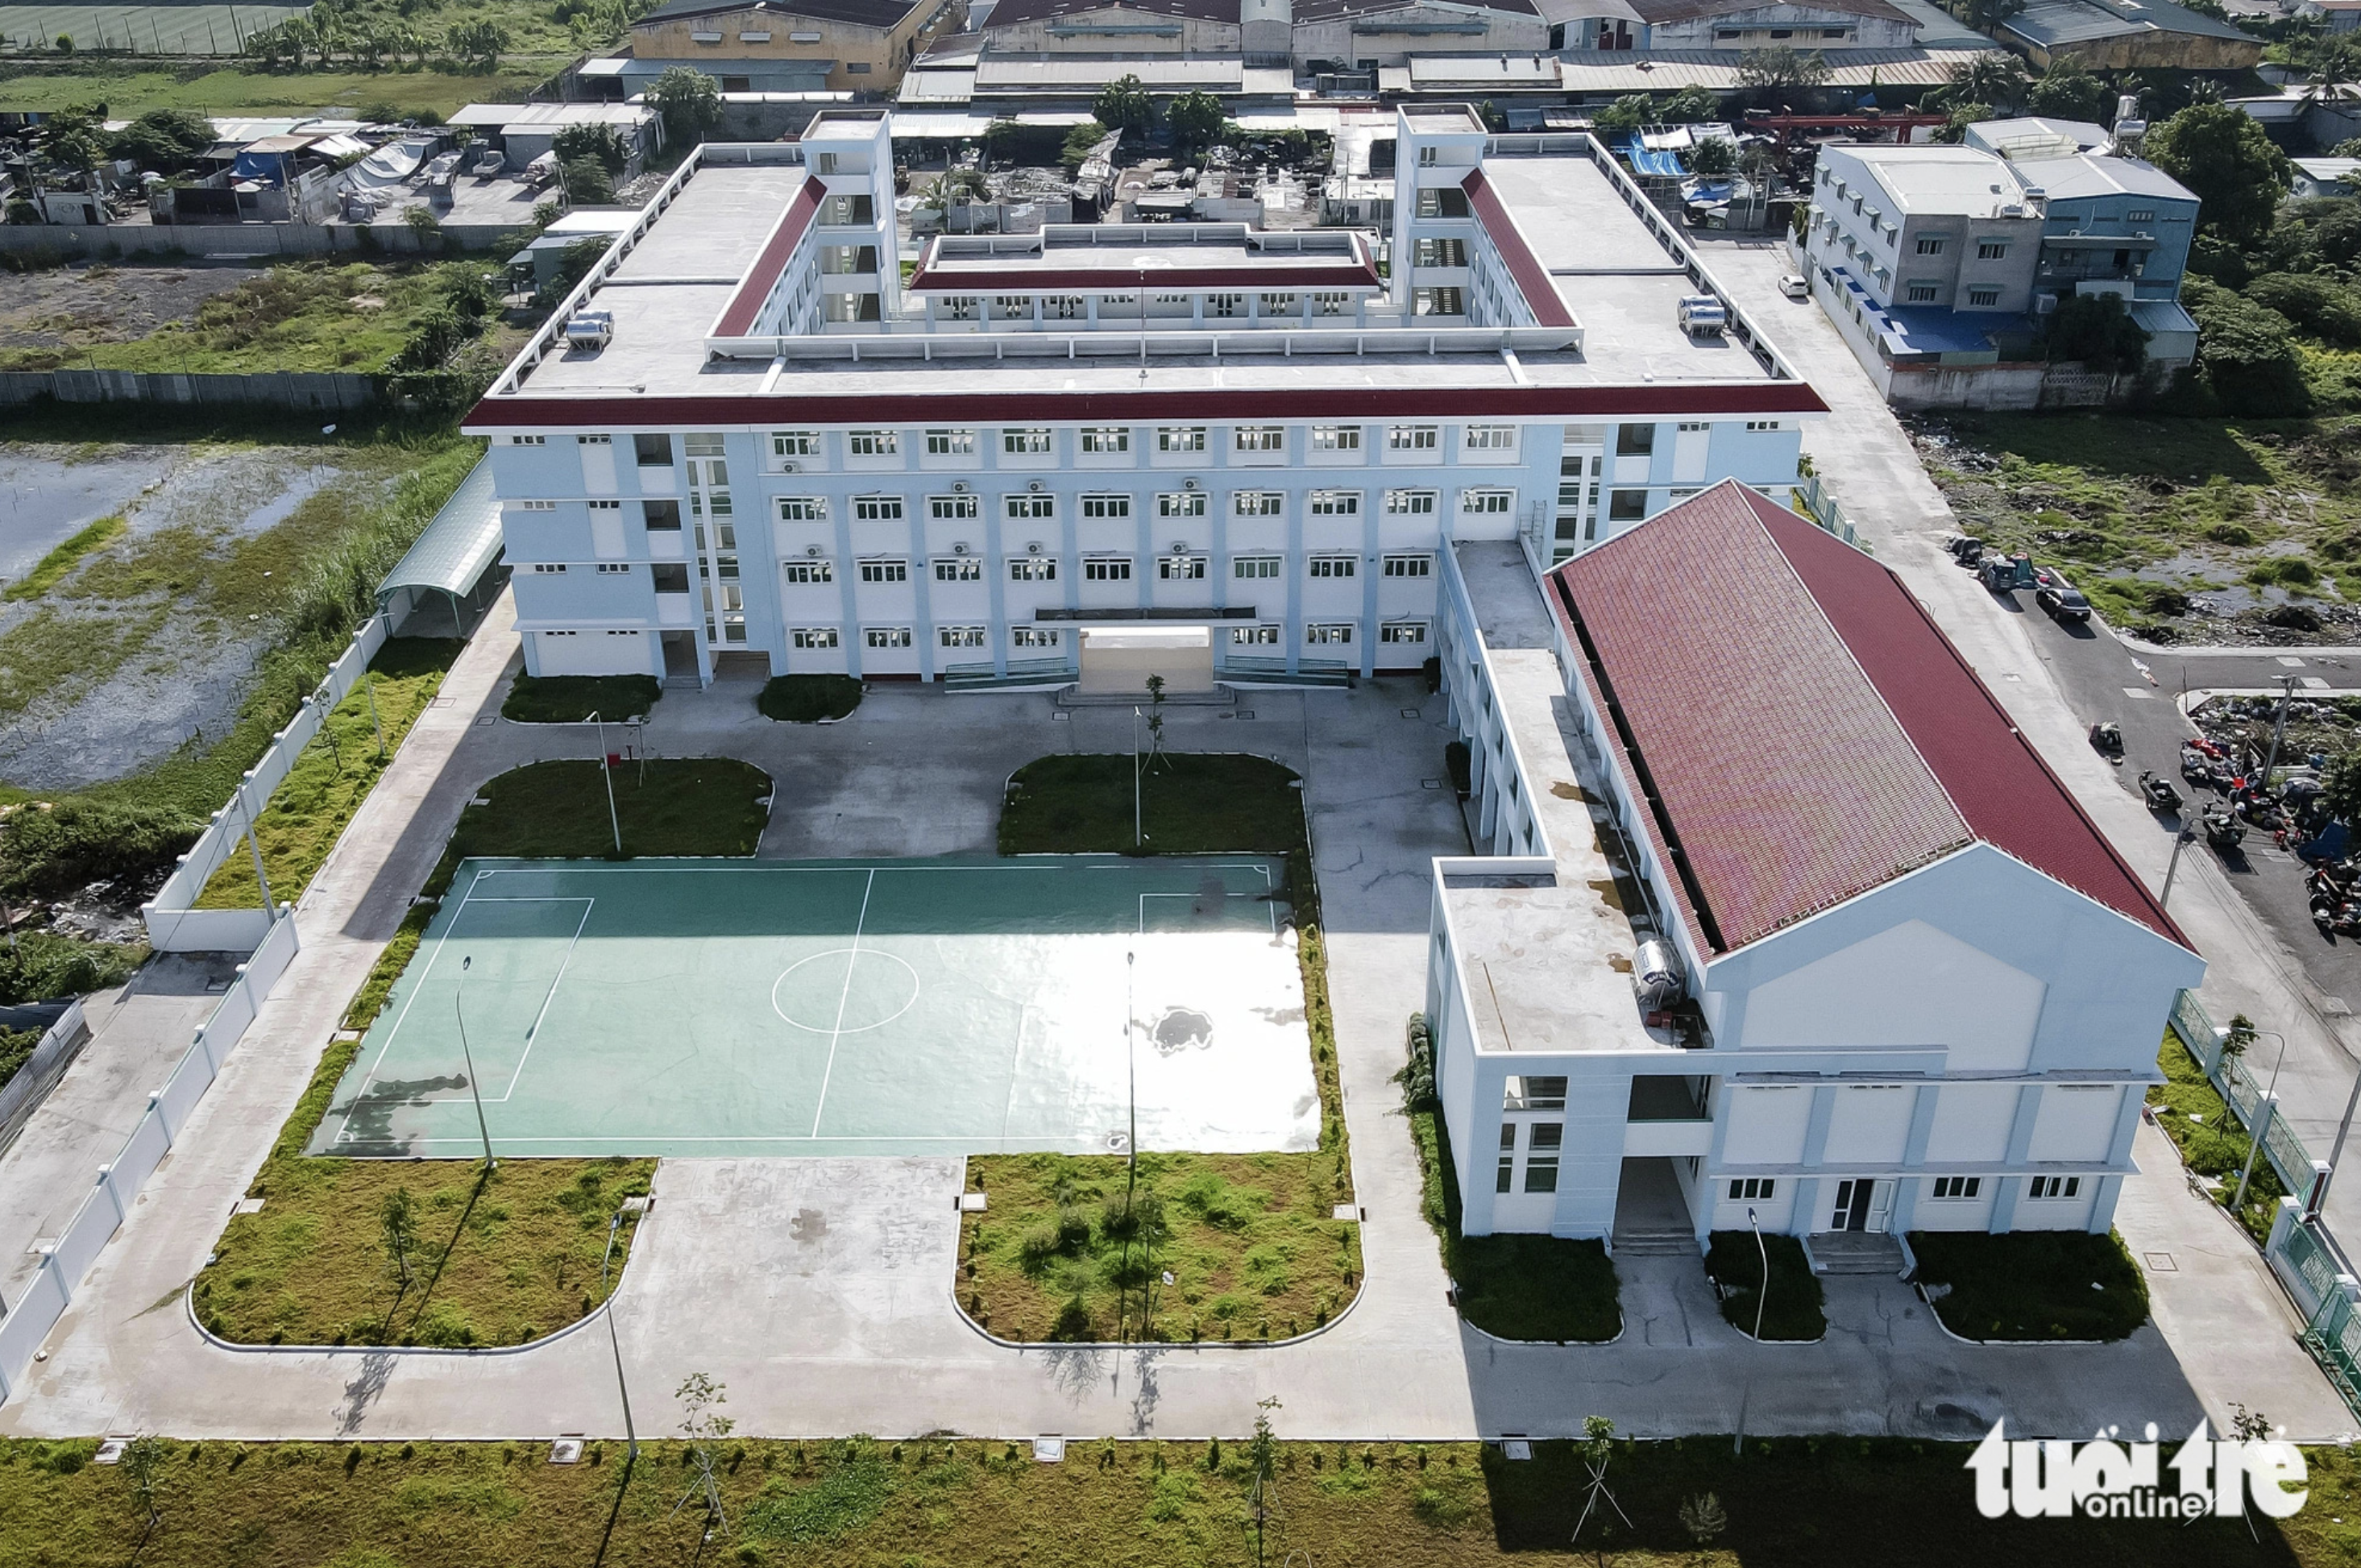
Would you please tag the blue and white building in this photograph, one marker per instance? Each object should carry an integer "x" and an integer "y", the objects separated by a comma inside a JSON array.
[{"x": 760, "y": 442}]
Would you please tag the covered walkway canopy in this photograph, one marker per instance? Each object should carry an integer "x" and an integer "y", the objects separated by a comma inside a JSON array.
[{"x": 455, "y": 559}]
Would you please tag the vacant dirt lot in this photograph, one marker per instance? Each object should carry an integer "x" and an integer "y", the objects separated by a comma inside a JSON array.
[{"x": 100, "y": 303}]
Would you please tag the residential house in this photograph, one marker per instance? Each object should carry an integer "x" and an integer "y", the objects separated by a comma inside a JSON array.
[{"x": 786, "y": 46}]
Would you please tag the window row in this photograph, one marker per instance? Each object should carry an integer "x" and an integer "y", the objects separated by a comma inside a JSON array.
[
  {"x": 1037, "y": 440},
  {"x": 1176, "y": 568},
  {"x": 1034, "y": 507},
  {"x": 1412, "y": 633},
  {"x": 1076, "y": 307},
  {"x": 1949, "y": 1188}
]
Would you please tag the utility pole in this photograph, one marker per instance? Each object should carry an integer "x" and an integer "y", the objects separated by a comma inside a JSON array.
[
  {"x": 2279, "y": 728},
  {"x": 2181, "y": 841},
  {"x": 254, "y": 842},
  {"x": 2267, "y": 1109}
]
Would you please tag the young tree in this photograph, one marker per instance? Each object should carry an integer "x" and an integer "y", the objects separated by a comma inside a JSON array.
[
  {"x": 1987, "y": 78},
  {"x": 1598, "y": 1446},
  {"x": 586, "y": 181},
  {"x": 2228, "y": 164},
  {"x": 698, "y": 1396},
  {"x": 1782, "y": 67},
  {"x": 687, "y": 102},
  {"x": 1079, "y": 142},
  {"x": 1689, "y": 106},
  {"x": 398, "y": 1219},
  {"x": 479, "y": 43},
  {"x": 165, "y": 138},
  {"x": 603, "y": 144},
  {"x": 2068, "y": 93},
  {"x": 1262, "y": 1464},
  {"x": 1197, "y": 119},
  {"x": 1626, "y": 114},
  {"x": 1122, "y": 105},
  {"x": 2236, "y": 1039},
  {"x": 2098, "y": 330},
  {"x": 1714, "y": 156},
  {"x": 143, "y": 1464},
  {"x": 1703, "y": 1517}
]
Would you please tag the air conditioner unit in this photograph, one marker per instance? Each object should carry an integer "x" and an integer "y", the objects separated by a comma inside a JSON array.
[
  {"x": 960, "y": 488},
  {"x": 791, "y": 468},
  {"x": 958, "y": 549},
  {"x": 1180, "y": 547},
  {"x": 1034, "y": 486},
  {"x": 1033, "y": 548},
  {"x": 1188, "y": 484},
  {"x": 812, "y": 550}
]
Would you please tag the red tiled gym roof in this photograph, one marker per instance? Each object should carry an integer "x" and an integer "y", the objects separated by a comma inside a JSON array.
[{"x": 1808, "y": 731}]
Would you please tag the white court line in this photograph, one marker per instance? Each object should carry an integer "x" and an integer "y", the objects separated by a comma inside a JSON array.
[
  {"x": 533, "y": 1034},
  {"x": 1257, "y": 897},
  {"x": 421, "y": 984},
  {"x": 851, "y": 965},
  {"x": 1084, "y": 1140}
]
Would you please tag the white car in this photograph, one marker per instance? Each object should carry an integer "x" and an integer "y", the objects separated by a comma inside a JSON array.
[{"x": 1795, "y": 286}]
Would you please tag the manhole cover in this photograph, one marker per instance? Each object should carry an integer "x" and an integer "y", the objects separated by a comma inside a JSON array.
[
  {"x": 2159, "y": 1263},
  {"x": 1181, "y": 1029}
]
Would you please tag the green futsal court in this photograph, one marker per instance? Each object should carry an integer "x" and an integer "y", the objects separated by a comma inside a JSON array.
[{"x": 733, "y": 1007}]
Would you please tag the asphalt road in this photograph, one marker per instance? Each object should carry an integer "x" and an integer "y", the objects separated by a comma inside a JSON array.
[{"x": 2138, "y": 688}]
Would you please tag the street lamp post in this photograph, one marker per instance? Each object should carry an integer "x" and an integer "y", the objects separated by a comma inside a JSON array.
[
  {"x": 474, "y": 1088},
  {"x": 607, "y": 775},
  {"x": 1137, "y": 837},
  {"x": 254, "y": 842},
  {"x": 1762, "y": 1296},
  {"x": 2278, "y": 729},
  {"x": 2181, "y": 841},
  {"x": 623, "y": 1389},
  {"x": 2269, "y": 1108}
]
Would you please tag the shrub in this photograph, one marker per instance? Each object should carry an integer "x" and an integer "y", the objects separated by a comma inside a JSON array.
[
  {"x": 2321, "y": 305},
  {"x": 1074, "y": 1229},
  {"x": 1073, "y": 1321},
  {"x": 807, "y": 700},
  {"x": 47, "y": 853},
  {"x": 2244, "y": 351},
  {"x": 2290, "y": 571}
]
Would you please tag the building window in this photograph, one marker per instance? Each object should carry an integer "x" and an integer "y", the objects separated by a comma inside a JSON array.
[
  {"x": 1025, "y": 508},
  {"x": 1541, "y": 1156},
  {"x": 951, "y": 509},
  {"x": 1412, "y": 437},
  {"x": 1106, "y": 507},
  {"x": 1026, "y": 443},
  {"x": 1763, "y": 424},
  {"x": 1335, "y": 503},
  {"x": 1534, "y": 1094},
  {"x": 877, "y": 509},
  {"x": 1107, "y": 569},
  {"x": 886, "y": 636},
  {"x": 792, "y": 508},
  {"x": 958, "y": 569},
  {"x": 1260, "y": 437},
  {"x": 1328, "y": 633},
  {"x": 1254, "y": 566},
  {"x": 874, "y": 442},
  {"x": 1335, "y": 438},
  {"x": 1409, "y": 504},
  {"x": 1427, "y": 157},
  {"x": 1922, "y": 294},
  {"x": 528, "y": 441},
  {"x": 1278, "y": 304},
  {"x": 1258, "y": 503},
  {"x": 1634, "y": 440},
  {"x": 957, "y": 307},
  {"x": 884, "y": 571},
  {"x": 1332, "y": 566},
  {"x": 1105, "y": 440},
  {"x": 1402, "y": 633},
  {"x": 549, "y": 568},
  {"x": 1957, "y": 1185},
  {"x": 2054, "y": 1187},
  {"x": 653, "y": 451},
  {"x": 661, "y": 517},
  {"x": 1491, "y": 438},
  {"x": 1330, "y": 304},
  {"x": 2139, "y": 215},
  {"x": 950, "y": 444},
  {"x": 1254, "y": 636},
  {"x": 961, "y": 636},
  {"x": 1984, "y": 297},
  {"x": 1930, "y": 245},
  {"x": 1181, "y": 438},
  {"x": 1064, "y": 307},
  {"x": 1180, "y": 568},
  {"x": 1410, "y": 565},
  {"x": 1033, "y": 637},
  {"x": 1479, "y": 503},
  {"x": 1753, "y": 1190},
  {"x": 544, "y": 506},
  {"x": 672, "y": 577},
  {"x": 614, "y": 568},
  {"x": 804, "y": 573},
  {"x": 1504, "y": 1181},
  {"x": 1626, "y": 506},
  {"x": 1990, "y": 249},
  {"x": 1225, "y": 305},
  {"x": 794, "y": 443},
  {"x": 1033, "y": 569},
  {"x": 1180, "y": 503},
  {"x": 814, "y": 636}
]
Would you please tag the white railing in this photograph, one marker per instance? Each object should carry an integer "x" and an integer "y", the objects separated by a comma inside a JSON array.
[
  {"x": 117, "y": 1183},
  {"x": 174, "y": 923}
]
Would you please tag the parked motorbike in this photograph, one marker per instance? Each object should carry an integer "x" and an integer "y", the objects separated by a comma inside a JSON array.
[{"x": 2108, "y": 737}]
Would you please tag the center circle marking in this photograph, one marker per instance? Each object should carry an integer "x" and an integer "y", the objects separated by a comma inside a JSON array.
[{"x": 834, "y": 990}]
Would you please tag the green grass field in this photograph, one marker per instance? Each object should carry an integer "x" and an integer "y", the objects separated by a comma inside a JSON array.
[
  {"x": 2030, "y": 1284},
  {"x": 933, "y": 1503},
  {"x": 130, "y": 93}
]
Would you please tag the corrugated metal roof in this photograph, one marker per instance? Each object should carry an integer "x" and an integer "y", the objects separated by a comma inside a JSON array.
[
  {"x": 1654, "y": 71},
  {"x": 2053, "y": 22},
  {"x": 1810, "y": 733},
  {"x": 458, "y": 545}
]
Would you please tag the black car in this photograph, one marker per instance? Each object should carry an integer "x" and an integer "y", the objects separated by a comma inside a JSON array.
[{"x": 2062, "y": 602}]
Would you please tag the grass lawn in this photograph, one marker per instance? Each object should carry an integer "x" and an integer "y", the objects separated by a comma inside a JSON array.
[
  {"x": 1264, "y": 1261},
  {"x": 2140, "y": 512},
  {"x": 2033, "y": 1284},
  {"x": 496, "y": 1263},
  {"x": 806, "y": 699},
  {"x": 1793, "y": 1312},
  {"x": 2211, "y": 1142},
  {"x": 335, "y": 774},
  {"x": 1247, "y": 1239},
  {"x": 130, "y": 93},
  {"x": 299, "y": 315},
  {"x": 571, "y": 700},
  {"x": 1790, "y": 1502}
]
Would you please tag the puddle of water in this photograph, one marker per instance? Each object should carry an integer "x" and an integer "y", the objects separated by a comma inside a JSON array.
[{"x": 44, "y": 501}]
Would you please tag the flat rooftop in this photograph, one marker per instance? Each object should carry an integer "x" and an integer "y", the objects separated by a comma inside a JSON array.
[
  {"x": 1610, "y": 275},
  {"x": 1547, "y": 962}
]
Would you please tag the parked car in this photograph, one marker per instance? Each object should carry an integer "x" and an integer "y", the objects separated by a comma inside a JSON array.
[
  {"x": 1795, "y": 286},
  {"x": 2062, "y": 600}
]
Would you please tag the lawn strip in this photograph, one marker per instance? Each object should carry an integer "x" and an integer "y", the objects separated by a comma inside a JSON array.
[
  {"x": 572, "y": 699},
  {"x": 2192, "y": 1113},
  {"x": 1734, "y": 1260},
  {"x": 2032, "y": 1285}
]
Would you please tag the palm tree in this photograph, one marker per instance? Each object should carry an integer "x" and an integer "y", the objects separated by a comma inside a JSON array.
[{"x": 1994, "y": 79}]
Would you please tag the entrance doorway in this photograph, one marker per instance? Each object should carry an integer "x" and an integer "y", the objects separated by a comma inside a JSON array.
[
  {"x": 1117, "y": 660},
  {"x": 1862, "y": 1203}
]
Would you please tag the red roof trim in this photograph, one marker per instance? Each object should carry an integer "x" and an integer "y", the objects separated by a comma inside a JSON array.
[
  {"x": 1532, "y": 278},
  {"x": 745, "y": 305},
  {"x": 561, "y": 412},
  {"x": 1098, "y": 279}
]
